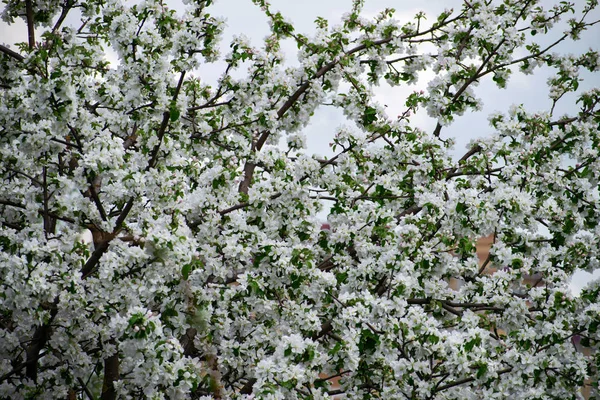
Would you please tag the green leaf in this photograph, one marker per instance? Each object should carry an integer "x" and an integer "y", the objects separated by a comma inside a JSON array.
[
  {"x": 368, "y": 340},
  {"x": 369, "y": 116},
  {"x": 174, "y": 113},
  {"x": 472, "y": 343},
  {"x": 185, "y": 271},
  {"x": 481, "y": 371}
]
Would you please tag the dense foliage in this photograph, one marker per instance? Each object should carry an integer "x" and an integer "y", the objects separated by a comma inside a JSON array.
[{"x": 209, "y": 274}]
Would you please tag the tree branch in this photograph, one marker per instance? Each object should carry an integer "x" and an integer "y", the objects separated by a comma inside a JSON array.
[
  {"x": 86, "y": 390},
  {"x": 247, "y": 388},
  {"x": 21, "y": 206},
  {"x": 18, "y": 368},
  {"x": 30, "y": 23},
  {"x": 11, "y": 53},
  {"x": 63, "y": 14},
  {"x": 39, "y": 340},
  {"x": 49, "y": 222},
  {"x": 466, "y": 380},
  {"x": 163, "y": 126},
  {"x": 111, "y": 375}
]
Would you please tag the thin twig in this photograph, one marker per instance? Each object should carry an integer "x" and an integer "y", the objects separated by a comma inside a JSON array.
[{"x": 85, "y": 389}]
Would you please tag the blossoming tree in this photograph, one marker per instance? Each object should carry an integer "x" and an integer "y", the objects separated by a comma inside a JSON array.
[{"x": 208, "y": 275}]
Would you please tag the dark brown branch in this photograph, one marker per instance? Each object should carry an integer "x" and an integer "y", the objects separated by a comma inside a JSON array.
[
  {"x": 187, "y": 342},
  {"x": 395, "y": 60},
  {"x": 463, "y": 173},
  {"x": 214, "y": 132},
  {"x": 68, "y": 144},
  {"x": 163, "y": 126},
  {"x": 18, "y": 368},
  {"x": 210, "y": 102},
  {"x": 233, "y": 208},
  {"x": 92, "y": 263},
  {"x": 30, "y": 23},
  {"x": 249, "y": 168},
  {"x": 41, "y": 211},
  {"x": 563, "y": 122},
  {"x": 86, "y": 390},
  {"x": 90, "y": 266},
  {"x": 209, "y": 105},
  {"x": 122, "y": 216},
  {"x": 474, "y": 306},
  {"x": 49, "y": 221},
  {"x": 11, "y": 53},
  {"x": 63, "y": 14},
  {"x": 326, "y": 328},
  {"x": 333, "y": 376},
  {"x": 466, "y": 380},
  {"x": 418, "y": 301},
  {"x": 12, "y": 204},
  {"x": 94, "y": 184},
  {"x": 39, "y": 340},
  {"x": 332, "y": 198},
  {"x": 451, "y": 310},
  {"x": 474, "y": 150},
  {"x": 244, "y": 205},
  {"x": 247, "y": 388},
  {"x": 161, "y": 132},
  {"x": 111, "y": 375},
  {"x": 11, "y": 226},
  {"x": 326, "y": 264},
  {"x": 31, "y": 178},
  {"x": 409, "y": 211},
  {"x": 485, "y": 264},
  {"x": 51, "y": 214}
]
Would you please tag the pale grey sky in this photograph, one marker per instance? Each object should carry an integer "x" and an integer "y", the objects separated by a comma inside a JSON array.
[{"x": 243, "y": 17}]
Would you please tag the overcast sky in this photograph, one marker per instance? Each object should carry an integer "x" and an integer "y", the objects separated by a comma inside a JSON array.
[{"x": 243, "y": 17}]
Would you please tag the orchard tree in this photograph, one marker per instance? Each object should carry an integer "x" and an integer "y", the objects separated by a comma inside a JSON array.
[{"x": 208, "y": 274}]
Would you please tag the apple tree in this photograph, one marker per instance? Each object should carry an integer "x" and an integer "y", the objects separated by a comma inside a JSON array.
[{"x": 208, "y": 275}]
